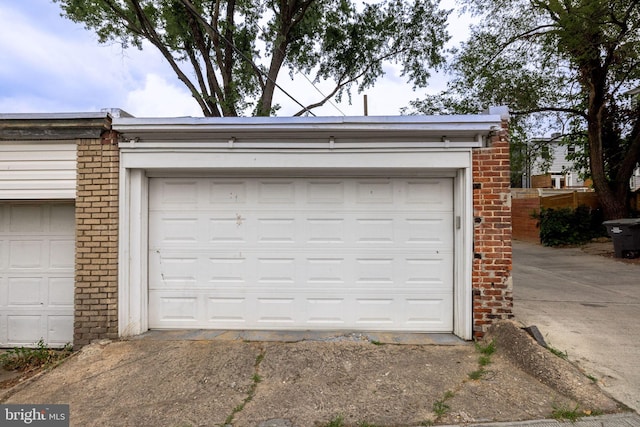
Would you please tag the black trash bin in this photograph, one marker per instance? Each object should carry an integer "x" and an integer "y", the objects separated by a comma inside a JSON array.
[{"x": 625, "y": 234}]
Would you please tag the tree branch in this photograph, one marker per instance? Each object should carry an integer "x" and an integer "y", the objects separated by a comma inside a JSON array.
[
  {"x": 152, "y": 36},
  {"x": 550, "y": 109},
  {"x": 213, "y": 32},
  {"x": 213, "y": 90},
  {"x": 344, "y": 83}
]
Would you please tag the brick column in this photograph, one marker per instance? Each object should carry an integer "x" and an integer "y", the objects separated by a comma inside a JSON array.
[
  {"x": 492, "y": 284},
  {"x": 96, "y": 290}
]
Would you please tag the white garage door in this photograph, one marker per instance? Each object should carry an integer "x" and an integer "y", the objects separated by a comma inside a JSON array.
[
  {"x": 36, "y": 273},
  {"x": 303, "y": 253}
]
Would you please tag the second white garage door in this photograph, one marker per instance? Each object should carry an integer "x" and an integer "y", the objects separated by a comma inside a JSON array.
[
  {"x": 301, "y": 253},
  {"x": 36, "y": 273}
]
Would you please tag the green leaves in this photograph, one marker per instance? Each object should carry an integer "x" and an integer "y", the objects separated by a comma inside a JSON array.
[
  {"x": 229, "y": 53},
  {"x": 562, "y": 64}
]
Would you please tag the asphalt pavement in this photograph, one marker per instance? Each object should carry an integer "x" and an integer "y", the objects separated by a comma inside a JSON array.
[{"x": 585, "y": 306}]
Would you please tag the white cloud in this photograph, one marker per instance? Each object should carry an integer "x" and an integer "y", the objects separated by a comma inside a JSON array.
[
  {"x": 48, "y": 63},
  {"x": 159, "y": 98}
]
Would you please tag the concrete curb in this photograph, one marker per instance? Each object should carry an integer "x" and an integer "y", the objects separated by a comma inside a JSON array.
[
  {"x": 630, "y": 419},
  {"x": 559, "y": 374}
]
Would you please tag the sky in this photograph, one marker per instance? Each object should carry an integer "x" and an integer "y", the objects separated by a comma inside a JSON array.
[{"x": 49, "y": 64}]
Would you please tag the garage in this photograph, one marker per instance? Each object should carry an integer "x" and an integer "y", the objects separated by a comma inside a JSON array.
[
  {"x": 336, "y": 223},
  {"x": 37, "y": 235},
  {"x": 301, "y": 253}
]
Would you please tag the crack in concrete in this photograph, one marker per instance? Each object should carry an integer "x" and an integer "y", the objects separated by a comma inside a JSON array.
[{"x": 256, "y": 379}]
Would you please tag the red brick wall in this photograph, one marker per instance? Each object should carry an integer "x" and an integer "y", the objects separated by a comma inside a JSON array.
[
  {"x": 524, "y": 226},
  {"x": 492, "y": 285},
  {"x": 96, "y": 291}
]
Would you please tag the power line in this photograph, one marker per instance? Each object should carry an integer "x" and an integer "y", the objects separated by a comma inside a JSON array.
[
  {"x": 190, "y": 6},
  {"x": 297, "y": 70},
  {"x": 319, "y": 91}
]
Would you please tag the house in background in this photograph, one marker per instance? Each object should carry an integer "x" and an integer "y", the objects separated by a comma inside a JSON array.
[
  {"x": 634, "y": 183},
  {"x": 553, "y": 167},
  {"x": 113, "y": 225},
  {"x": 635, "y": 180}
]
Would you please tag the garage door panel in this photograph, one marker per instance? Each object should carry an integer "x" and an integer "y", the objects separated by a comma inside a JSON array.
[
  {"x": 305, "y": 229},
  {"x": 276, "y": 192},
  {"x": 26, "y": 219},
  {"x": 373, "y": 192},
  {"x": 427, "y": 313},
  {"x": 226, "y": 310},
  {"x": 276, "y": 270},
  {"x": 310, "y": 253},
  {"x": 325, "y": 192},
  {"x": 26, "y": 254},
  {"x": 24, "y": 291},
  {"x": 276, "y": 231},
  {"x": 321, "y": 194},
  {"x": 60, "y": 292},
  {"x": 279, "y": 310},
  {"x": 176, "y": 230},
  {"x": 60, "y": 328},
  {"x": 62, "y": 220},
  {"x": 428, "y": 231},
  {"x": 304, "y": 270},
  {"x": 227, "y": 192},
  {"x": 177, "y": 309},
  {"x": 37, "y": 252},
  {"x": 227, "y": 270},
  {"x": 427, "y": 272},
  {"x": 326, "y": 271},
  {"x": 174, "y": 270},
  {"x": 24, "y": 329},
  {"x": 61, "y": 254},
  {"x": 179, "y": 193},
  {"x": 429, "y": 195},
  {"x": 4, "y": 253}
]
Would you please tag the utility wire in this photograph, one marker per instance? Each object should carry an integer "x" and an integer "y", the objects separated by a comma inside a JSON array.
[
  {"x": 317, "y": 89},
  {"x": 297, "y": 70},
  {"x": 193, "y": 10}
]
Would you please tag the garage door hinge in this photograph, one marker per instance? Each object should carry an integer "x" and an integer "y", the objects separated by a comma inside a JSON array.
[{"x": 458, "y": 222}]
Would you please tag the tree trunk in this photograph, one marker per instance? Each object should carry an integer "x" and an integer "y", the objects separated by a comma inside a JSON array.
[
  {"x": 266, "y": 100},
  {"x": 613, "y": 201},
  {"x": 612, "y": 207}
]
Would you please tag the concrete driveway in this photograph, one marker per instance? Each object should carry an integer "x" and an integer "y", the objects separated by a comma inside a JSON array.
[
  {"x": 182, "y": 380},
  {"x": 587, "y": 306}
]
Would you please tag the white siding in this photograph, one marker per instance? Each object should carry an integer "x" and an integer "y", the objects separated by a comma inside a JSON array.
[
  {"x": 634, "y": 182},
  {"x": 560, "y": 167},
  {"x": 37, "y": 170}
]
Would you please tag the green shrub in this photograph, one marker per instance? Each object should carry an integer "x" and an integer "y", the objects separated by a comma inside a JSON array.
[{"x": 567, "y": 226}]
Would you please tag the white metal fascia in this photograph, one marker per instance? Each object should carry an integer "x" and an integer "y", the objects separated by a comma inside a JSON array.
[
  {"x": 307, "y": 132},
  {"x": 290, "y": 160}
]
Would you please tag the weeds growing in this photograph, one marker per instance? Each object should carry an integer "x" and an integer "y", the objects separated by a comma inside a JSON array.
[
  {"x": 25, "y": 359},
  {"x": 565, "y": 413}
]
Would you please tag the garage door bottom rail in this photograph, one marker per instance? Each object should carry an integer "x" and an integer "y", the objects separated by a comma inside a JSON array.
[{"x": 297, "y": 336}]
